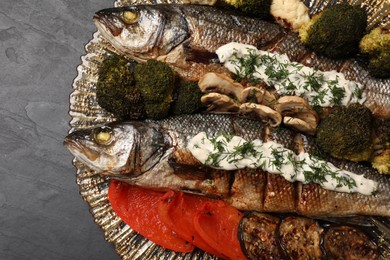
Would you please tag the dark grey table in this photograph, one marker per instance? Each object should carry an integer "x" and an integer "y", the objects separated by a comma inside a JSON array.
[{"x": 42, "y": 215}]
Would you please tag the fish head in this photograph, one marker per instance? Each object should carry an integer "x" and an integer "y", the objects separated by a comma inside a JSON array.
[
  {"x": 119, "y": 149},
  {"x": 142, "y": 32}
]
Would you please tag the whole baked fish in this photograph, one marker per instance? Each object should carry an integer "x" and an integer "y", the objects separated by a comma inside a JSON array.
[
  {"x": 186, "y": 37},
  {"x": 154, "y": 154}
]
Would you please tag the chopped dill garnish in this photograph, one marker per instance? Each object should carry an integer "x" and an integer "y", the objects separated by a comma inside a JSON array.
[
  {"x": 277, "y": 72},
  {"x": 357, "y": 92},
  {"x": 213, "y": 159},
  {"x": 289, "y": 86},
  {"x": 338, "y": 94},
  {"x": 247, "y": 67},
  {"x": 319, "y": 98},
  {"x": 242, "y": 151},
  {"x": 296, "y": 163},
  {"x": 278, "y": 158},
  {"x": 317, "y": 174},
  {"x": 314, "y": 80},
  {"x": 343, "y": 180}
]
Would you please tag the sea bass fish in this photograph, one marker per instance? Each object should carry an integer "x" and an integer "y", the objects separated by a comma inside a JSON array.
[
  {"x": 154, "y": 154},
  {"x": 187, "y": 36}
]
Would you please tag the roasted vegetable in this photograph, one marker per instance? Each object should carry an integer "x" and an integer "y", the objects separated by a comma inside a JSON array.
[
  {"x": 144, "y": 90},
  {"x": 156, "y": 82},
  {"x": 347, "y": 133},
  {"x": 177, "y": 210},
  {"x": 217, "y": 223},
  {"x": 290, "y": 13},
  {"x": 116, "y": 91},
  {"x": 381, "y": 162},
  {"x": 376, "y": 45},
  {"x": 137, "y": 207},
  {"x": 335, "y": 32},
  {"x": 381, "y": 157},
  {"x": 254, "y": 8},
  {"x": 187, "y": 98}
]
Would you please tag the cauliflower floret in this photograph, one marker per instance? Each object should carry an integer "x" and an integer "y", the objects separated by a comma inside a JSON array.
[
  {"x": 290, "y": 13},
  {"x": 376, "y": 45}
]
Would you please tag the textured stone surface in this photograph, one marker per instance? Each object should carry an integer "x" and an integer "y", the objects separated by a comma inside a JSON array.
[{"x": 42, "y": 215}]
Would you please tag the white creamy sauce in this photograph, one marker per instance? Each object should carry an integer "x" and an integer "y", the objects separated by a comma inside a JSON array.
[
  {"x": 323, "y": 89},
  {"x": 233, "y": 152}
]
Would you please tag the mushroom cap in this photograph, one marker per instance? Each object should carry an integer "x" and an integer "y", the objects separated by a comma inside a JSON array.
[
  {"x": 299, "y": 125},
  {"x": 220, "y": 83},
  {"x": 219, "y": 102},
  {"x": 266, "y": 114},
  {"x": 297, "y": 114}
]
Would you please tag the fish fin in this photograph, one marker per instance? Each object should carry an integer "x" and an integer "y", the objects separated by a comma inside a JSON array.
[
  {"x": 184, "y": 54},
  {"x": 186, "y": 166},
  {"x": 187, "y": 171},
  {"x": 191, "y": 174},
  {"x": 381, "y": 233},
  {"x": 200, "y": 55},
  {"x": 383, "y": 225},
  {"x": 352, "y": 220},
  {"x": 184, "y": 156}
]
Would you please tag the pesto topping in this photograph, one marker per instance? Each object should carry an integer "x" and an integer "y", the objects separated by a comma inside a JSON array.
[
  {"x": 233, "y": 152},
  {"x": 320, "y": 88}
]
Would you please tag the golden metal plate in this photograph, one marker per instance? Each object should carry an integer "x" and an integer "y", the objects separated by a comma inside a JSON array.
[{"x": 85, "y": 112}]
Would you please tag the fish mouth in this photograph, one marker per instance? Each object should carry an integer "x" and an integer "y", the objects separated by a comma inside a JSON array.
[
  {"x": 104, "y": 22},
  {"x": 80, "y": 151}
]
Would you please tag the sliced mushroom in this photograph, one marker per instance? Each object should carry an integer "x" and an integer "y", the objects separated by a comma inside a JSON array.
[
  {"x": 259, "y": 95},
  {"x": 269, "y": 100},
  {"x": 291, "y": 105},
  {"x": 297, "y": 114},
  {"x": 300, "y": 125},
  {"x": 219, "y": 83},
  {"x": 266, "y": 114},
  {"x": 219, "y": 102},
  {"x": 252, "y": 94}
]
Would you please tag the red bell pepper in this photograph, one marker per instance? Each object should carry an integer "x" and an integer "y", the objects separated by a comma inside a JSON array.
[
  {"x": 217, "y": 223},
  {"x": 137, "y": 207},
  {"x": 176, "y": 210}
]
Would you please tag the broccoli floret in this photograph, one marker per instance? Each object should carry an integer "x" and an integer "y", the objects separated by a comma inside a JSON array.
[
  {"x": 157, "y": 110},
  {"x": 187, "y": 98},
  {"x": 254, "y": 8},
  {"x": 376, "y": 45},
  {"x": 347, "y": 133},
  {"x": 335, "y": 32},
  {"x": 115, "y": 89},
  {"x": 156, "y": 82}
]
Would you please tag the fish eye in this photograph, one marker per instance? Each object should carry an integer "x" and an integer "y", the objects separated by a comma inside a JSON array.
[
  {"x": 102, "y": 135},
  {"x": 129, "y": 17}
]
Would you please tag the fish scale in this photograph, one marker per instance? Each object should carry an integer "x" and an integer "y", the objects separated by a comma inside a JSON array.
[
  {"x": 173, "y": 167},
  {"x": 209, "y": 32}
]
